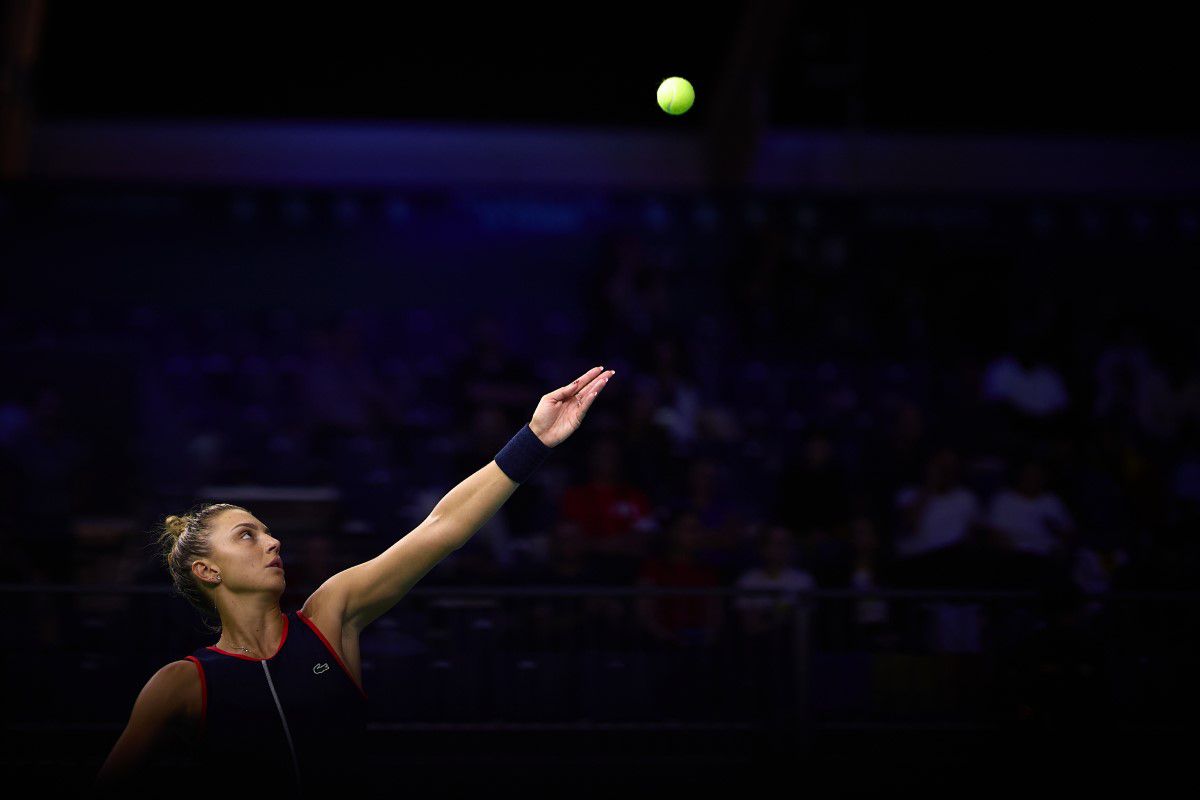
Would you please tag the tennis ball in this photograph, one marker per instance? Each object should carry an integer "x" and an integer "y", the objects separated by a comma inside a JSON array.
[{"x": 675, "y": 95}]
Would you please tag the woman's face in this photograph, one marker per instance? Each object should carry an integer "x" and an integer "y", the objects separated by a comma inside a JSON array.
[{"x": 242, "y": 549}]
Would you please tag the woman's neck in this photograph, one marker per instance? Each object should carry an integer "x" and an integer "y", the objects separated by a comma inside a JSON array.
[{"x": 259, "y": 630}]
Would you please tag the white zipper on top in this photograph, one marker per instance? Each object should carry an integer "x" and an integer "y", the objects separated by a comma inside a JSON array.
[{"x": 287, "y": 732}]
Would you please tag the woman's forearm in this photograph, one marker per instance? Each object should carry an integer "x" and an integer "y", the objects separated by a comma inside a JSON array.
[{"x": 471, "y": 503}]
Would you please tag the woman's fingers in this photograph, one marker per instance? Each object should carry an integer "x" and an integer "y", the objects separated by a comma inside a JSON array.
[
  {"x": 589, "y": 392},
  {"x": 573, "y": 388},
  {"x": 592, "y": 390}
]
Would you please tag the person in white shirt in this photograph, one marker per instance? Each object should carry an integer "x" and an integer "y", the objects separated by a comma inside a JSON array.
[
  {"x": 1028, "y": 518},
  {"x": 869, "y": 613},
  {"x": 1157, "y": 394},
  {"x": 1025, "y": 381},
  {"x": 945, "y": 524},
  {"x": 940, "y": 513},
  {"x": 761, "y": 612},
  {"x": 771, "y": 624}
]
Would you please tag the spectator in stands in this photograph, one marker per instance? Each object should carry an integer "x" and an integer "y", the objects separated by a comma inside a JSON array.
[
  {"x": 870, "y": 615},
  {"x": 941, "y": 512},
  {"x": 489, "y": 375},
  {"x": 1154, "y": 392},
  {"x": 679, "y": 400},
  {"x": 615, "y": 516},
  {"x": 1030, "y": 531},
  {"x": 679, "y": 620},
  {"x": 768, "y": 622},
  {"x": 643, "y": 432},
  {"x": 1185, "y": 472},
  {"x": 897, "y": 455},
  {"x": 828, "y": 555},
  {"x": 1169, "y": 393},
  {"x": 343, "y": 391},
  {"x": 49, "y": 458},
  {"x": 1121, "y": 373},
  {"x": 556, "y": 616},
  {"x": 812, "y": 490},
  {"x": 677, "y": 626},
  {"x": 566, "y": 562},
  {"x": 1028, "y": 518},
  {"x": 777, "y": 570},
  {"x": 710, "y": 498},
  {"x": 1025, "y": 381}
]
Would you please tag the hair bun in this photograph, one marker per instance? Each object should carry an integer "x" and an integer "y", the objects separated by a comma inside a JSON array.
[{"x": 176, "y": 525}]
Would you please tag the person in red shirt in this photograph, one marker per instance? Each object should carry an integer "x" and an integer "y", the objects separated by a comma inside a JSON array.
[
  {"x": 685, "y": 627},
  {"x": 680, "y": 619},
  {"x": 614, "y": 517}
]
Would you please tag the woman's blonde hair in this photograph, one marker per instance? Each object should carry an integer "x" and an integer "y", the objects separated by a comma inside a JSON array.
[{"x": 183, "y": 539}]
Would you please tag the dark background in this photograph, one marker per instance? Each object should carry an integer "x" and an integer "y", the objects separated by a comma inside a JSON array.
[
  {"x": 795, "y": 365},
  {"x": 1005, "y": 68}
]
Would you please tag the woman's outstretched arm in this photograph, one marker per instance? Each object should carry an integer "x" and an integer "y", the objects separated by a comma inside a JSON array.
[{"x": 366, "y": 591}]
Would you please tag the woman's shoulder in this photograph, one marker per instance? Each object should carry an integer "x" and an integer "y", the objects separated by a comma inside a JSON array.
[
  {"x": 179, "y": 674},
  {"x": 186, "y": 682}
]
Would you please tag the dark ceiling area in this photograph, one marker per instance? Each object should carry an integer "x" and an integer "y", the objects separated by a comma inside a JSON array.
[{"x": 970, "y": 71}]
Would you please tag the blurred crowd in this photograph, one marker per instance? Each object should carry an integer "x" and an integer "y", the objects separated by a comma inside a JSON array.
[{"x": 785, "y": 416}]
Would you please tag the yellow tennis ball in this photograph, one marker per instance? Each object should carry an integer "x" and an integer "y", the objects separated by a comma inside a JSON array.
[{"x": 675, "y": 95}]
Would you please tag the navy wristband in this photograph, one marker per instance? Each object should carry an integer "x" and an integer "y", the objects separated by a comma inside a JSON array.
[{"x": 522, "y": 455}]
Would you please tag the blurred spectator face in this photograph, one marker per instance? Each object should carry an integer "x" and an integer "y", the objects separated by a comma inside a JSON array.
[
  {"x": 47, "y": 409},
  {"x": 684, "y": 536},
  {"x": 604, "y": 461},
  {"x": 566, "y": 545},
  {"x": 703, "y": 476},
  {"x": 628, "y": 250},
  {"x": 1125, "y": 380},
  {"x": 1179, "y": 366},
  {"x": 942, "y": 472},
  {"x": 778, "y": 547},
  {"x": 1030, "y": 350},
  {"x": 818, "y": 450},
  {"x": 347, "y": 338},
  {"x": 666, "y": 358},
  {"x": 644, "y": 403},
  {"x": 863, "y": 536},
  {"x": 489, "y": 423},
  {"x": 489, "y": 336},
  {"x": 1032, "y": 480},
  {"x": 909, "y": 424},
  {"x": 320, "y": 342}
]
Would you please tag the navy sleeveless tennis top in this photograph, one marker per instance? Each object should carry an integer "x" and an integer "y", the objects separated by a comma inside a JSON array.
[{"x": 294, "y": 721}]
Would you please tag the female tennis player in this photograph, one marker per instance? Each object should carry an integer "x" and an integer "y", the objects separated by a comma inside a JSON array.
[{"x": 278, "y": 703}]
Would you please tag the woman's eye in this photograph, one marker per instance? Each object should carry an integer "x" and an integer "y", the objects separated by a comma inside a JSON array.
[{"x": 246, "y": 533}]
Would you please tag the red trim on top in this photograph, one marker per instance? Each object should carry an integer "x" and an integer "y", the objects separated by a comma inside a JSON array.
[
  {"x": 216, "y": 649},
  {"x": 203, "y": 694},
  {"x": 333, "y": 652}
]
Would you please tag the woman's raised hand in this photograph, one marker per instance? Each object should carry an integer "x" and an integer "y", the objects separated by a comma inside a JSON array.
[{"x": 560, "y": 412}]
